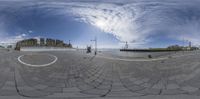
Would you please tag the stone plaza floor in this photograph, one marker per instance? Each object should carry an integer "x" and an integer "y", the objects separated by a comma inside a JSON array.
[{"x": 77, "y": 75}]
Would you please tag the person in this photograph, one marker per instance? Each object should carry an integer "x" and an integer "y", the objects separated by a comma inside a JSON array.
[
  {"x": 149, "y": 56},
  {"x": 88, "y": 49}
]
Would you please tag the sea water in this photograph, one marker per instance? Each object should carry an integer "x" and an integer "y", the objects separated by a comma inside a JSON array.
[{"x": 125, "y": 54}]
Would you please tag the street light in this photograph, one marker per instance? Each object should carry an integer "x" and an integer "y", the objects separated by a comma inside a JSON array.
[{"x": 95, "y": 40}]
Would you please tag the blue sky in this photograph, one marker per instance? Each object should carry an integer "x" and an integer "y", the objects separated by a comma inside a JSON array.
[{"x": 142, "y": 23}]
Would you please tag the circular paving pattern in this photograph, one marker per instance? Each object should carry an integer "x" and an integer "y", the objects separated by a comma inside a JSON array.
[{"x": 37, "y": 60}]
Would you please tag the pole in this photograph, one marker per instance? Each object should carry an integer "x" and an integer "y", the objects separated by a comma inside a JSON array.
[
  {"x": 95, "y": 46},
  {"x": 95, "y": 41},
  {"x": 183, "y": 45}
]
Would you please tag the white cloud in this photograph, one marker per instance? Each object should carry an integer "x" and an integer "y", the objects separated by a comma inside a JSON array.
[
  {"x": 13, "y": 39},
  {"x": 137, "y": 21},
  {"x": 133, "y": 20},
  {"x": 30, "y": 31},
  {"x": 110, "y": 18}
]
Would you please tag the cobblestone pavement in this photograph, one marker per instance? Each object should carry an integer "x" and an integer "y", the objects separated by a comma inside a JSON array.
[{"x": 77, "y": 75}]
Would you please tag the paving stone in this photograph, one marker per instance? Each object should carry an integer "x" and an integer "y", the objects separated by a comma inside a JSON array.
[
  {"x": 173, "y": 86},
  {"x": 85, "y": 78},
  {"x": 189, "y": 88}
]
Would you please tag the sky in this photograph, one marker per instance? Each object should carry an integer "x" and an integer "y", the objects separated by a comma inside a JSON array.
[{"x": 141, "y": 23}]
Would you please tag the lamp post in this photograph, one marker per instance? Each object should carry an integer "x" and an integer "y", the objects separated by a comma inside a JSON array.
[
  {"x": 183, "y": 45},
  {"x": 126, "y": 45},
  {"x": 95, "y": 41}
]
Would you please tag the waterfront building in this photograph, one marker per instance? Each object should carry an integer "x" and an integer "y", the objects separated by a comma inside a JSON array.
[
  {"x": 50, "y": 42},
  {"x": 42, "y": 42},
  {"x": 59, "y": 43}
]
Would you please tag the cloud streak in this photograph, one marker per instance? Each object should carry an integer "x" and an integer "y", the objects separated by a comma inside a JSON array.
[
  {"x": 138, "y": 20},
  {"x": 131, "y": 20},
  {"x": 12, "y": 39}
]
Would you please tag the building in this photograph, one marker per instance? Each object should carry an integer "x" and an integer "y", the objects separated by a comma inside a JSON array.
[
  {"x": 174, "y": 47},
  {"x": 50, "y": 42},
  {"x": 42, "y": 42},
  {"x": 59, "y": 43},
  {"x": 26, "y": 43},
  {"x": 190, "y": 44}
]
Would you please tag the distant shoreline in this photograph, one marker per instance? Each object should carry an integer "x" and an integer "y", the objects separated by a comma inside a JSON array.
[{"x": 148, "y": 50}]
